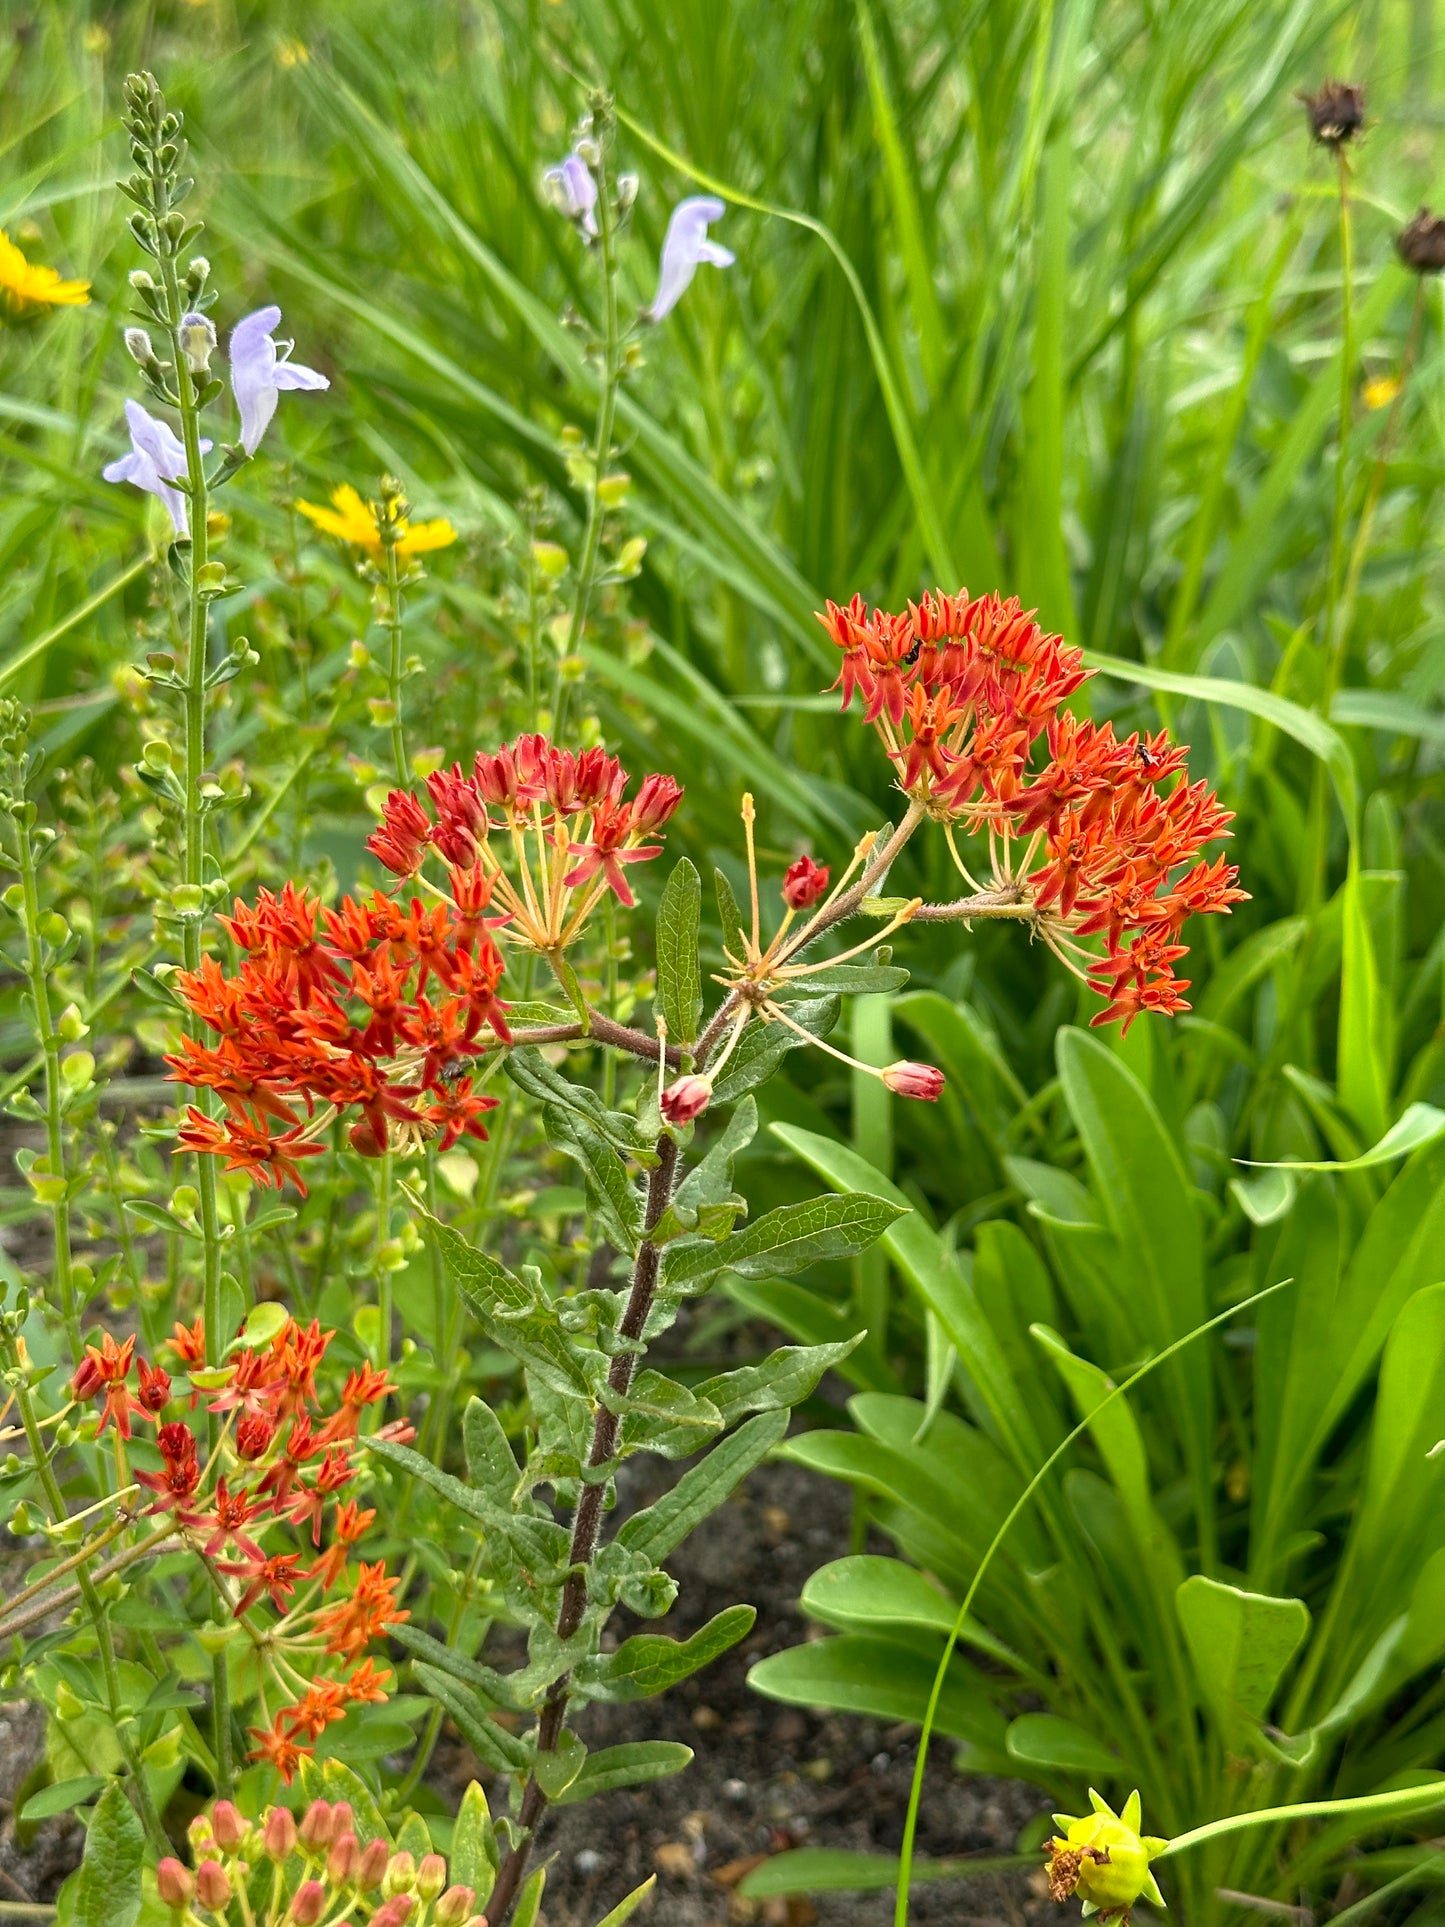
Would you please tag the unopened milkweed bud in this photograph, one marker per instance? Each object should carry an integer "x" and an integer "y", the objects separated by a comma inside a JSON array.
[
  {"x": 372, "y": 1866},
  {"x": 688, "y": 1098},
  {"x": 914, "y": 1080},
  {"x": 278, "y": 1836},
  {"x": 431, "y": 1876},
  {"x": 213, "y": 1886},
  {"x": 804, "y": 882},
  {"x": 308, "y": 1903},
  {"x": 227, "y": 1825},
  {"x": 318, "y": 1824},
  {"x": 454, "y": 1907},
  {"x": 174, "y": 1882}
]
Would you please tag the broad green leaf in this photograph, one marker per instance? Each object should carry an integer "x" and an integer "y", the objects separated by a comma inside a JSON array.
[
  {"x": 679, "y": 986},
  {"x": 509, "y": 1313},
  {"x": 882, "y": 1679},
  {"x": 1044, "y": 1740},
  {"x": 792, "y": 1236},
  {"x": 1240, "y": 1643},
  {"x": 784, "y": 1379},
  {"x": 555, "y": 1771},
  {"x": 869, "y": 1591},
  {"x": 662, "y": 1526},
  {"x": 636, "y": 1764},
  {"x": 650, "y": 1663},
  {"x": 491, "y": 1743},
  {"x": 105, "y": 1889},
  {"x": 1417, "y": 1126}
]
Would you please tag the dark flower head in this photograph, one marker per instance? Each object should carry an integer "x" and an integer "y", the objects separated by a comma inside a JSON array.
[
  {"x": 1421, "y": 243},
  {"x": 1336, "y": 112}
]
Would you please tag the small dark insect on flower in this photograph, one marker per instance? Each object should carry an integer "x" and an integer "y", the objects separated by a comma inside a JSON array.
[
  {"x": 1420, "y": 244},
  {"x": 1336, "y": 112}
]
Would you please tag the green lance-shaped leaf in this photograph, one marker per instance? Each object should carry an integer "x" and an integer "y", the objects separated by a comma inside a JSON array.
[
  {"x": 491, "y": 1464},
  {"x": 528, "y": 1069},
  {"x": 105, "y": 1889},
  {"x": 491, "y": 1743},
  {"x": 491, "y": 1687},
  {"x": 615, "y": 1201},
  {"x": 662, "y": 1416},
  {"x": 1240, "y": 1643},
  {"x": 632, "y": 1765},
  {"x": 731, "y": 918},
  {"x": 764, "y": 1046},
  {"x": 679, "y": 983},
  {"x": 625, "y": 1909},
  {"x": 781, "y": 1381},
  {"x": 650, "y": 1663},
  {"x": 662, "y": 1527},
  {"x": 856, "y": 980},
  {"x": 474, "y": 1859},
  {"x": 795, "y": 1235},
  {"x": 540, "y": 1543},
  {"x": 511, "y": 1314}
]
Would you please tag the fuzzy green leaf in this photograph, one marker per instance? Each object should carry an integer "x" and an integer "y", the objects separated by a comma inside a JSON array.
[
  {"x": 795, "y": 1235},
  {"x": 510, "y": 1314},
  {"x": 784, "y": 1379},
  {"x": 662, "y": 1526},
  {"x": 679, "y": 985},
  {"x": 105, "y": 1889},
  {"x": 635, "y": 1764},
  {"x": 650, "y": 1663}
]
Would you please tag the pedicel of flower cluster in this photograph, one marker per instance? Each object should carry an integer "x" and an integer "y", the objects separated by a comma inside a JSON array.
[
  {"x": 362, "y": 1009},
  {"x": 965, "y": 694},
  {"x": 317, "y": 1869},
  {"x": 563, "y": 833},
  {"x": 284, "y": 1458},
  {"x": 1104, "y": 1859}
]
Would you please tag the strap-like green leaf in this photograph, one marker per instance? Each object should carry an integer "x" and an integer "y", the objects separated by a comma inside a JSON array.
[{"x": 663, "y": 1526}]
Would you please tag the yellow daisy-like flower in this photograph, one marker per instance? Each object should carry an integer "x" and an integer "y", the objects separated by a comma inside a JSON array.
[
  {"x": 353, "y": 521},
  {"x": 26, "y": 290}
]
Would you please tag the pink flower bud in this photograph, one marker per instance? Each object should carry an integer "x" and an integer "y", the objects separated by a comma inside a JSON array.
[
  {"x": 455, "y": 1907},
  {"x": 278, "y": 1836},
  {"x": 688, "y": 1098},
  {"x": 343, "y": 1859},
  {"x": 213, "y": 1886},
  {"x": 372, "y": 1868},
  {"x": 227, "y": 1825},
  {"x": 317, "y": 1826},
  {"x": 394, "y": 1912},
  {"x": 343, "y": 1820},
  {"x": 174, "y": 1882},
  {"x": 657, "y": 798},
  {"x": 914, "y": 1080},
  {"x": 308, "y": 1903},
  {"x": 400, "y": 1873},
  {"x": 803, "y": 883},
  {"x": 431, "y": 1876}
]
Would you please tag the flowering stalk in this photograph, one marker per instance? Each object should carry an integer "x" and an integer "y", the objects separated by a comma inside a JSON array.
[
  {"x": 17, "y": 1374},
  {"x": 391, "y": 528}
]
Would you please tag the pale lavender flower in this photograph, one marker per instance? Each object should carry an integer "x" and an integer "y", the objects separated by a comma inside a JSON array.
[
  {"x": 684, "y": 246},
  {"x": 155, "y": 461},
  {"x": 573, "y": 192},
  {"x": 259, "y": 371}
]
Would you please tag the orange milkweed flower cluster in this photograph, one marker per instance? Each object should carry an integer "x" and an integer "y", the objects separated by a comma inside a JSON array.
[
  {"x": 363, "y": 1008},
  {"x": 284, "y": 1459},
  {"x": 567, "y": 834},
  {"x": 967, "y": 696}
]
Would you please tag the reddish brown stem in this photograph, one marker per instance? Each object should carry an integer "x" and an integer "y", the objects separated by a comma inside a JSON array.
[{"x": 587, "y": 1522}]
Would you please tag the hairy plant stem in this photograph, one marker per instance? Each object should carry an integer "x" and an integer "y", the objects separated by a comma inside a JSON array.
[
  {"x": 193, "y": 847},
  {"x": 50, "y": 1041},
  {"x": 587, "y": 1520},
  {"x": 94, "y": 1609},
  {"x": 602, "y": 444}
]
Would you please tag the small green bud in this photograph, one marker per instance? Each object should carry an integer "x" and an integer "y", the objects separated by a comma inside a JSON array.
[
  {"x": 551, "y": 558},
  {"x": 72, "y": 1025},
  {"x": 211, "y": 578},
  {"x": 629, "y": 559},
  {"x": 22, "y": 1521},
  {"x": 47, "y": 1190},
  {"x": 359, "y": 656},
  {"x": 68, "y": 1703},
  {"x": 187, "y": 900},
  {"x": 390, "y": 1256},
  {"x": 14, "y": 899},
  {"x": 78, "y": 1070},
  {"x": 612, "y": 490},
  {"x": 156, "y": 756},
  {"x": 53, "y": 928},
  {"x": 185, "y": 1200},
  {"x": 383, "y": 711}
]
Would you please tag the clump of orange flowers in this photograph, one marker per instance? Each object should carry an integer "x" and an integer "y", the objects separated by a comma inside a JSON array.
[
  {"x": 1088, "y": 836},
  {"x": 284, "y": 1459}
]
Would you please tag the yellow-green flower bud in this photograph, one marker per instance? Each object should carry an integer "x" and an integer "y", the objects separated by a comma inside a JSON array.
[
  {"x": 1104, "y": 1859},
  {"x": 551, "y": 558}
]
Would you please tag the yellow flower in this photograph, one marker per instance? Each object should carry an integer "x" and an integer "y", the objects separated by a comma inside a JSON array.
[
  {"x": 353, "y": 521},
  {"x": 1381, "y": 390},
  {"x": 27, "y": 290},
  {"x": 1104, "y": 1859}
]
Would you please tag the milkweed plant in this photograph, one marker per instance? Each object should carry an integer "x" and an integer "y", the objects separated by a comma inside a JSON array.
[{"x": 242, "y": 1380}]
